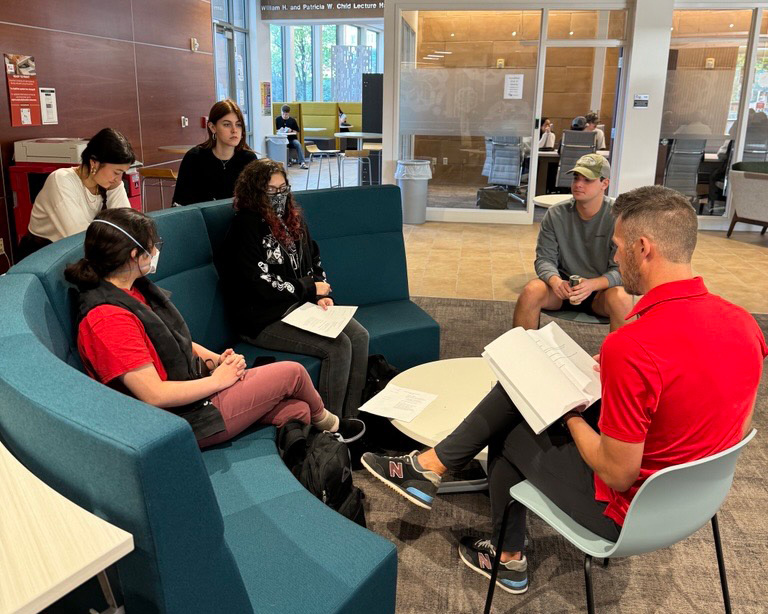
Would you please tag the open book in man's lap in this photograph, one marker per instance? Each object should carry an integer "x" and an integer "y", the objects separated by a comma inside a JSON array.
[{"x": 544, "y": 372}]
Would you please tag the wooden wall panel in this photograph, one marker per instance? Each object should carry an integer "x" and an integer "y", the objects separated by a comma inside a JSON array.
[
  {"x": 172, "y": 83},
  {"x": 94, "y": 70},
  {"x": 110, "y": 18},
  {"x": 190, "y": 18}
]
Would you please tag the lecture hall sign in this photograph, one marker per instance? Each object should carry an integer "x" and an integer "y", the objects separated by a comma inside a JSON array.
[{"x": 332, "y": 9}]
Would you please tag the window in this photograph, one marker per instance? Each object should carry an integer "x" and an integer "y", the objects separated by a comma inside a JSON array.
[
  {"x": 278, "y": 69},
  {"x": 329, "y": 40},
  {"x": 372, "y": 41},
  {"x": 302, "y": 53},
  {"x": 350, "y": 35}
]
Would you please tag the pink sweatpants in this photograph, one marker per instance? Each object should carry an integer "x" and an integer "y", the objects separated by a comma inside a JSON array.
[{"x": 272, "y": 394}]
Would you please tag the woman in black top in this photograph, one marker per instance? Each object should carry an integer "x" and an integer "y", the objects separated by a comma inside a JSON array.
[
  {"x": 210, "y": 170},
  {"x": 269, "y": 264}
]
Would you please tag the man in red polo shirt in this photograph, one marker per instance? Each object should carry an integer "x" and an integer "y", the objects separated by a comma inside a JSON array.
[{"x": 678, "y": 384}]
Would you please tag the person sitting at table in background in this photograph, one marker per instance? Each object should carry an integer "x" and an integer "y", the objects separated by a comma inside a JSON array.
[
  {"x": 593, "y": 119},
  {"x": 72, "y": 197},
  {"x": 575, "y": 240},
  {"x": 546, "y": 135},
  {"x": 269, "y": 264},
  {"x": 285, "y": 124},
  {"x": 655, "y": 411},
  {"x": 132, "y": 338},
  {"x": 209, "y": 170}
]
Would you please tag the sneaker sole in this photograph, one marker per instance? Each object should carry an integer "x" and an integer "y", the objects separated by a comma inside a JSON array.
[
  {"x": 514, "y": 591},
  {"x": 397, "y": 489}
]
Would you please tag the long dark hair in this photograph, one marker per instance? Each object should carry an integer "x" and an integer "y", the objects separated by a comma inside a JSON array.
[
  {"x": 251, "y": 195},
  {"x": 107, "y": 146},
  {"x": 541, "y": 125},
  {"x": 219, "y": 110},
  {"x": 106, "y": 249}
]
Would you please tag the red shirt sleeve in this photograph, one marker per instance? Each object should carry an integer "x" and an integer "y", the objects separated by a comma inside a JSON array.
[
  {"x": 112, "y": 341},
  {"x": 631, "y": 385}
]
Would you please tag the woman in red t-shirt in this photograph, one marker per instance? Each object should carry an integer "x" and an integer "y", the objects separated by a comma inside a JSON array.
[{"x": 131, "y": 337}]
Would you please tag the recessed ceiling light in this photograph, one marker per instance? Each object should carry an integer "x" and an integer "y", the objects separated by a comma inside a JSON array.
[
  {"x": 570, "y": 33},
  {"x": 443, "y": 52},
  {"x": 452, "y": 34},
  {"x": 730, "y": 25},
  {"x": 514, "y": 33}
]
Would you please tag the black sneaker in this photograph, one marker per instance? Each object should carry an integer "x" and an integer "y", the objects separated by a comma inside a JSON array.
[
  {"x": 400, "y": 474},
  {"x": 478, "y": 555},
  {"x": 350, "y": 429}
]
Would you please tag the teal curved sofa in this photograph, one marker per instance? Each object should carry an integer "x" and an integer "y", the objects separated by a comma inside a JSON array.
[{"x": 228, "y": 529}]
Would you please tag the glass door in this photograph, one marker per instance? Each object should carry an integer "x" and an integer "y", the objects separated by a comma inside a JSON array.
[
  {"x": 230, "y": 37},
  {"x": 468, "y": 83}
]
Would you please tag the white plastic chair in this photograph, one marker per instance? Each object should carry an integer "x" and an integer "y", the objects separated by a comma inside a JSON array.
[{"x": 671, "y": 505}]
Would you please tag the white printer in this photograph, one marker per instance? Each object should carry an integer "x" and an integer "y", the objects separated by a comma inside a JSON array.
[{"x": 61, "y": 150}]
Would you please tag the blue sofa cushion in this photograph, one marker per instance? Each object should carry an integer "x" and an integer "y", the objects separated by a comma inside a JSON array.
[
  {"x": 402, "y": 331},
  {"x": 273, "y": 524}
]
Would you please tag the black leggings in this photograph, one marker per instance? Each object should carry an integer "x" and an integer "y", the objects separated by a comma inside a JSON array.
[{"x": 550, "y": 461}]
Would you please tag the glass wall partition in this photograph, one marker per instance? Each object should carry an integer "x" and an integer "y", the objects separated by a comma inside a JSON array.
[
  {"x": 581, "y": 84},
  {"x": 705, "y": 72},
  {"x": 472, "y": 95},
  {"x": 467, "y": 104}
]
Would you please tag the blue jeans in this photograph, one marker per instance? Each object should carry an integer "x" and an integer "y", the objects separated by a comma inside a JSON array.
[
  {"x": 344, "y": 361},
  {"x": 295, "y": 144}
]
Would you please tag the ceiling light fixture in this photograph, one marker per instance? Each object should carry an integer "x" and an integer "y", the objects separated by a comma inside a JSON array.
[
  {"x": 570, "y": 33},
  {"x": 514, "y": 33}
]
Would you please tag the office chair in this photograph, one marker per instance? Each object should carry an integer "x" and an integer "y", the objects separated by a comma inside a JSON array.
[
  {"x": 576, "y": 143},
  {"x": 670, "y": 506},
  {"x": 504, "y": 163},
  {"x": 682, "y": 169}
]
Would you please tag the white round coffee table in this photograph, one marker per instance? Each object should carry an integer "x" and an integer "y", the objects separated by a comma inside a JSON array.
[
  {"x": 550, "y": 200},
  {"x": 460, "y": 384}
]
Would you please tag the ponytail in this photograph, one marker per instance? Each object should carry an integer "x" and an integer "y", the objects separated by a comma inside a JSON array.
[{"x": 82, "y": 275}]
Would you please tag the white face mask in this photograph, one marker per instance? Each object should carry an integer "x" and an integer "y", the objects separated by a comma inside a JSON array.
[{"x": 154, "y": 259}]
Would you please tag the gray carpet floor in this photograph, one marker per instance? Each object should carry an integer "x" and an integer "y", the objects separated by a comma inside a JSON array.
[{"x": 681, "y": 580}]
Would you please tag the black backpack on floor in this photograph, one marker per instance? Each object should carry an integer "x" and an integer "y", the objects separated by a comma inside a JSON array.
[{"x": 322, "y": 464}]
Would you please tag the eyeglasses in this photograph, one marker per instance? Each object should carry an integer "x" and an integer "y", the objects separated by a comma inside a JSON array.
[
  {"x": 282, "y": 190},
  {"x": 159, "y": 243}
]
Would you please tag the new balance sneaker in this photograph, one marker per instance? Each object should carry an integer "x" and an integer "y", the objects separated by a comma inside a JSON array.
[
  {"x": 478, "y": 555},
  {"x": 350, "y": 429},
  {"x": 400, "y": 473}
]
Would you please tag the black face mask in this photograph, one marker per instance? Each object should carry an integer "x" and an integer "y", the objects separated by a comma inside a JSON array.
[{"x": 277, "y": 201}]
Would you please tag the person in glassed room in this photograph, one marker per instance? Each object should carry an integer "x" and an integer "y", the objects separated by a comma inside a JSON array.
[
  {"x": 71, "y": 197},
  {"x": 593, "y": 119},
  {"x": 546, "y": 135},
  {"x": 132, "y": 338},
  {"x": 210, "y": 170},
  {"x": 269, "y": 264}
]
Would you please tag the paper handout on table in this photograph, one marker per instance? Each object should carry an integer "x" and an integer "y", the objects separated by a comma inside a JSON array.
[
  {"x": 402, "y": 404},
  {"x": 544, "y": 372},
  {"x": 326, "y": 322}
]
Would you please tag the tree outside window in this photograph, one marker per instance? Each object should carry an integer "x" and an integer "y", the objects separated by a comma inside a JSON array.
[
  {"x": 276, "y": 51},
  {"x": 329, "y": 40},
  {"x": 302, "y": 52}
]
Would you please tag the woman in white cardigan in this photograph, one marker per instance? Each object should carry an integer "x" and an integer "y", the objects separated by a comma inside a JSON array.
[{"x": 72, "y": 197}]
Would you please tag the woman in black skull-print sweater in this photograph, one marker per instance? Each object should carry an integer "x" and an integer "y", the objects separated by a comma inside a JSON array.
[{"x": 269, "y": 264}]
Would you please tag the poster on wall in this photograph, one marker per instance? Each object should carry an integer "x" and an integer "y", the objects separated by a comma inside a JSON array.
[
  {"x": 265, "y": 87},
  {"x": 513, "y": 87},
  {"x": 22, "y": 89},
  {"x": 49, "y": 111}
]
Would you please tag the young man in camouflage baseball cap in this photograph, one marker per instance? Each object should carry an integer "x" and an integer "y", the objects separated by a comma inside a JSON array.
[{"x": 575, "y": 240}]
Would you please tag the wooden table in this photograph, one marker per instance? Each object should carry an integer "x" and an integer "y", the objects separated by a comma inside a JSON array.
[
  {"x": 550, "y": 200},
  {"x": 48, "y": 545},
  {"x": 460, "y": 384},
  {"x": 177, "y": 149}
]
